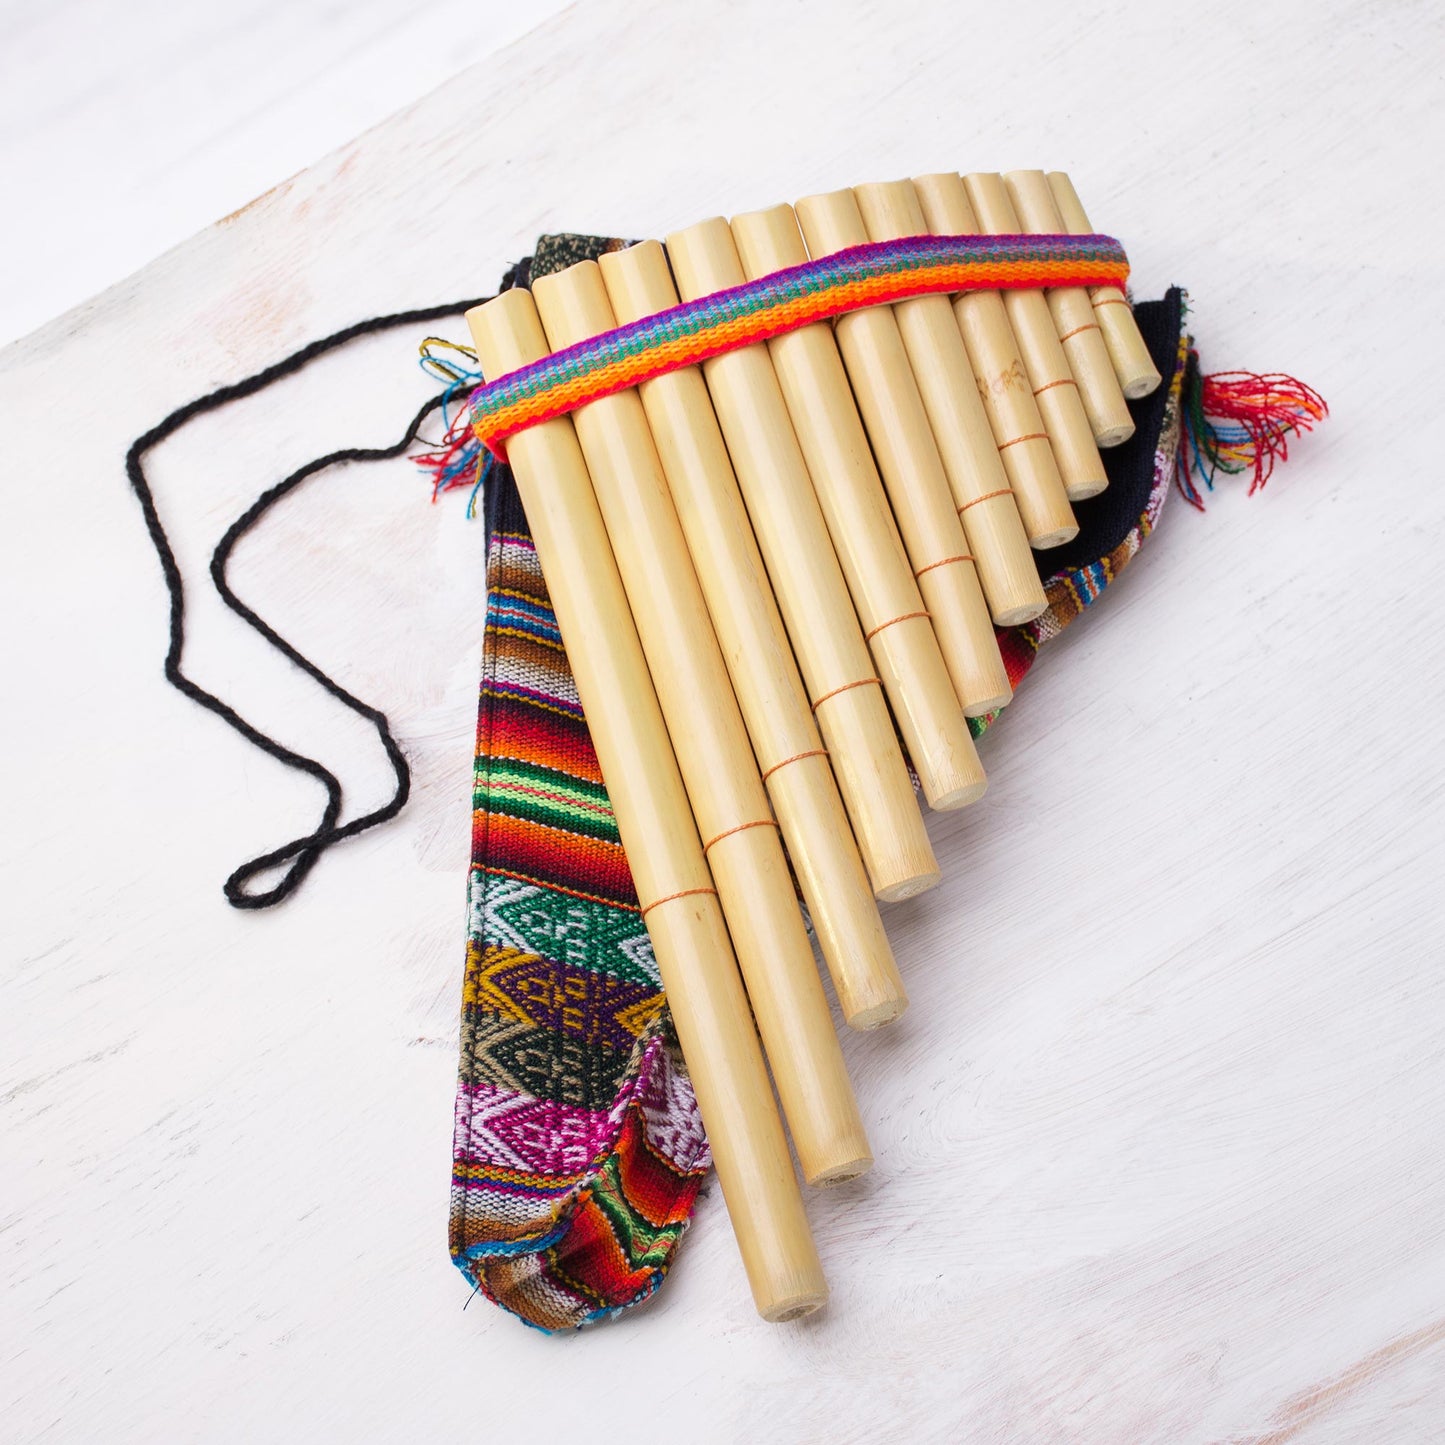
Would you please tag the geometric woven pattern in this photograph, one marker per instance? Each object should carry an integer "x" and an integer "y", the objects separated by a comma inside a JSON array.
[{"x": 578, "y": 1148}]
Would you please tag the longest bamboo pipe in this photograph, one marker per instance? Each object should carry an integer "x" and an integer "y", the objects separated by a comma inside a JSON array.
[
  {"x": 759, "y": 659},
  {"x": 719, "y": 771},
  {"x": 885, "y": 593},
  {"x": 812, "y": 594},
  {"x": 679, "y": 902}
]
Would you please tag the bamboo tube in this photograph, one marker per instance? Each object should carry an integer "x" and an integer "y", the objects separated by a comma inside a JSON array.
[
  {"x": 808, "y": 582},
  {"x": 885, "y": 593},
  {"x": 1003, "y": 384},
  {"x": 755, "y": 647},
  {"x": 719, "y": 771},
  {"x": 888, "y": 398},
  {"x": 679, "y": 904},
  {"x": 1052, "y": 383},
  {"x": 1133, "y": 365},
  {"x": 970, "y": 456},
  {"x": 1073, "y": 313}
]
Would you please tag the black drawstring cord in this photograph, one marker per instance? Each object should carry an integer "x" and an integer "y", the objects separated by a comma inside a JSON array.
[{"x": 301, "y": 853}]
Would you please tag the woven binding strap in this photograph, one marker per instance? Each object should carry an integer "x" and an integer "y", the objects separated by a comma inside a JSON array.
[{"x": 877, "y": 274}]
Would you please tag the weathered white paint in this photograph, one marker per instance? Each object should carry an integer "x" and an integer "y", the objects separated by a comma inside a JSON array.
[
  {"x": 1160, "y": 1141},
  {"x": 125, "y": 128}
]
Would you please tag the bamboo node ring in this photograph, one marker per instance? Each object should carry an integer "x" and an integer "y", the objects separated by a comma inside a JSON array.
[
  {"x": 847, "y": 686},
  {"x": 987, "y": 496},
  {"x": 943, "y": 562},
  {"x": 741, "y": 828},
  {"x": 668, "y": 898},
  {"x": 796, "y": 758},
  {"x": 906, "y": 617}
]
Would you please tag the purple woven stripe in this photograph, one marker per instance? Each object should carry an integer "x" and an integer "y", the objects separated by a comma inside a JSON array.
[{"x": 848, "y": 267}]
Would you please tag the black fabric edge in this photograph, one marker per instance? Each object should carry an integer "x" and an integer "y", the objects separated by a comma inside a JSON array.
[{"x": 1105, "y": 520}]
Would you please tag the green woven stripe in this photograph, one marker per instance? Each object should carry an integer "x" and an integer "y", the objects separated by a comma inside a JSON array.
[
  {"x": 584, "y": 933},
  {"x": 646, "y": 1245},
  {"x": 540, "y": 795}
]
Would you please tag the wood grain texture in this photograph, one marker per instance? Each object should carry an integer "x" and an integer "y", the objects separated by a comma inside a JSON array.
[{"x": 1158, "y": 1142}]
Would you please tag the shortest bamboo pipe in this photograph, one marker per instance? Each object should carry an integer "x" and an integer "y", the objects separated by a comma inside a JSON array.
[
  {"x": 1008, "y": 399},
  {"x": 981, "y": 492},
  {"x": 1074, "y": 317},
  {"x": 719, "y": 771},
  {"x": 893, "y": 413},
  {"x": 1133, "y": 365},
  {"x": 896, "y": 624},
  {"x": 759, "y": 660},
  {"x": 1055, "y": 390},
  {"x": 679, "y": 904}
]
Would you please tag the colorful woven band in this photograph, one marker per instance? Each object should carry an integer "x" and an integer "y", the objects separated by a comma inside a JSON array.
[{"x": 877, "y": 274}]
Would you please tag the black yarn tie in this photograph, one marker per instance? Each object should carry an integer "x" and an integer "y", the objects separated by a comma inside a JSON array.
[{"x": 301, "y": 853}]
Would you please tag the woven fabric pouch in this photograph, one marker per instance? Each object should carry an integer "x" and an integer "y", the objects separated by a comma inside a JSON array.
[{"x": 578, "y": 1149}]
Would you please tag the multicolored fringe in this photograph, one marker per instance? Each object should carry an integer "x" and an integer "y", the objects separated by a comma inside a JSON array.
[
  {"x": 458, "y": 460},
  {"x": 877, "y": 274},
  {"x": 1240, "y": 421}
]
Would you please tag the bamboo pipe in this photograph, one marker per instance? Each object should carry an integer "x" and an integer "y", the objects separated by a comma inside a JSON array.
[
  {"x": 892, "y": 409},
  {"x": 889, "y": 604},
  {"x": 808, "y": 582},
  {"x": 1051, "y": 381},
  {"x": 970, "y": 456},
  {"x": 755, "y": 647},
  {"x": 1133, "y": 365},
  {"x": 719, "y": 771},
  {"x": 1003, "y": 383},
  {"x": 679, "y": 905},
  {"x": 1073, "y": 314}
]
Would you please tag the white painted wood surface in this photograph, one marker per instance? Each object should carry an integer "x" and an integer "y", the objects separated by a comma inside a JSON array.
[
  {"x": 1160, "y": 1142},
  {"x": 124, "y": 128}
]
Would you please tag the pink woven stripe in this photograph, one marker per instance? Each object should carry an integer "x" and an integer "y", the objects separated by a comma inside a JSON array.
[{"x": 518, "y": 1131}]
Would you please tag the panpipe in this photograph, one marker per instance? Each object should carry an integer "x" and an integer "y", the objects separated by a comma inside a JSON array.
[{"x": 777, "y": 575}]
